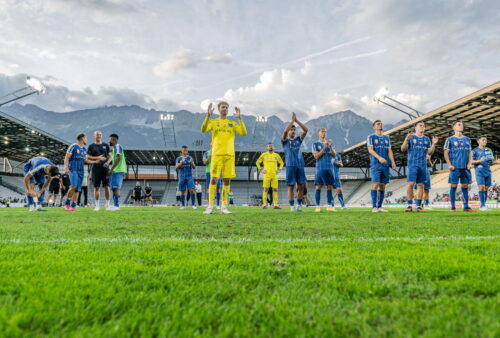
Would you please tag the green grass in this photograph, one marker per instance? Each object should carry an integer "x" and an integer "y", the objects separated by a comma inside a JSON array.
[{"x": 171, "y": 272}]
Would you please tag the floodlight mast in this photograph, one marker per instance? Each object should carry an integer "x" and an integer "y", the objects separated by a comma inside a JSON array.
[
  {"x": 34, "y": 86},
  {"x": 383, "y": 95}
]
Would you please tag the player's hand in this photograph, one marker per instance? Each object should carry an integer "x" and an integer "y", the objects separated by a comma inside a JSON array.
[
  {"x": 435, "y": 139},
  {"x": 105, "y": 165},
  {"x": 452, "y": 168},
  {"x": 410, "y": 134},
  {"x": 237, "y": 113},
  {"x": 330, "y": 142},
  {"x": 382, "y": 160},
  {"x": 263, "y": 171},
  {"x": 469, "y": 166},
  {"x": 101, "y": 158},
  {"x": 66, "y": 171},
  {"x": 338, "y": 163},
  {"x": 482, "y": 159},
  {"x": 210, "y": 109},
  {"x": 393, "y": 165},
  {"x": 294, "y": 117},
  {"x": 110, "y": 173},
  {"x": 31, "y": 193}
]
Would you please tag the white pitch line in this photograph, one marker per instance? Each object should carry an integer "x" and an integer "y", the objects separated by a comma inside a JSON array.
[{"x": 245, "y": 240}]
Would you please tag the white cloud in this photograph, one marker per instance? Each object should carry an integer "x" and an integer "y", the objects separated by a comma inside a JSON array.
[{"x": 185, "y": 58}]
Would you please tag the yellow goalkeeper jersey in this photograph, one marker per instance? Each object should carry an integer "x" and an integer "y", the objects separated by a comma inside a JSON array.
[
  {"x": 271, "y": 161},
  {"x": 223, "y": 131}
]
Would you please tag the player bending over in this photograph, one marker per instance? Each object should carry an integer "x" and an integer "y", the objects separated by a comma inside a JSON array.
[
  {"x": 379, "y": 148},
  {"x": 222, "y": 161},
  {"x": 148, "y": 195},
  {"x": 482, "y": 158},
  {"x": 74, "y": 162},
  {"x": 185, "y": 165},
  {"x": 458, "y": 156},
  {"x": 294, "y": 161},
  {"x": 270, "y": 171},
  {"x": 117, "y": 170},
  {"x": 323, "y": 153},
  {"x": 35, "y": 172},
  {"x": 337, "y": 184},
  {"x": 418, "y": 147}
]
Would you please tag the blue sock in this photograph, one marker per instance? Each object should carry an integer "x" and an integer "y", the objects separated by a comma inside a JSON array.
[
  {"x": 410, "y": 202},
  {"x": 426, "y": 203},
  {"x": 465, "y": 197},
  {"x": 453, "y": 196},
  {"x": 380, "y": 199},
  {"x": 482, "y": 200},
  {"x": 341, "y": 199},
  {"x": 299, "y": 201},
  {"x": 117, "y": 200},
  {"x": 183, "y": 200},
  {"x": 31, "y": 201},
  {"x": 329, "y": 197},
  {"x": 419, "y": 203},
  {"x": 73, "y": 204},
  {"x": 373, "y": 193},
  {"x": 218, "y": 198},
  {"x": 291, "y": 202},
  {"x": 192, "y": 199},
  {"x": 68, "y": 201},
  {"x": 317, "y": 196}
]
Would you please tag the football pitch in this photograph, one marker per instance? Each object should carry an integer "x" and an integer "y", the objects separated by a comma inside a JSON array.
[{"x": 170, "y": 272}]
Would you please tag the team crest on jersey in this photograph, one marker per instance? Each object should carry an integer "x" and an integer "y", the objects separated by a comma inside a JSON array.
[
  {"x": 386, "y": 142},
  {"x": 218, "y": 124},
  {"x": 414, "y": 141},
  {"x": 78, "y": 151},
  {"x": 376, "y": 141},
  {"x": 455, "y": 143},
  {"x": 230, "y": 124}
]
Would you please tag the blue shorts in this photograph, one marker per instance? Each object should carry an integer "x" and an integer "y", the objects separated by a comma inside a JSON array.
[
  {"x": 295, "y": 175},
  {"x": 186, "y": 183},
  {"x": 324, "y": 177},
  {"x": 416, "y": 174},
  {"x": 336, "y": 182},
  {"x": 483, "y": 179},
  {"x": 76, "y": 179},
  {"x": 381, "y": 175},
  {"x": 207, "y": 181},
  {"x": 460, "y": 175},
  {"x": 117, "y": 180},
  {"x": 427, "y": 182}
]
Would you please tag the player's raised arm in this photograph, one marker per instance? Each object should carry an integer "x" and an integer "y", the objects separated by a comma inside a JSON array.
[
  {"x": 404, "y": 146},
  {"x": 240, "y": 128},
  {"x": 207, "y": 126},
  {"x": 431, "y": 150},
  {"x": 180, "y": 161},
  {"x": 302, "y": 126},
  {"x": 317, "y": 154},
  {"x": 332, "y": 151}
]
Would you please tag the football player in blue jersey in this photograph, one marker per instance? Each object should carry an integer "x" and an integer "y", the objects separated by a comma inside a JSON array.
[
  {"x": 482, "y": 158},
  {"x": 35, "y": 172},
  {"x": 74, "y": 162},
  {"x": 185, "y": 165},
  {"x": 379, "y": 148},
  {"x": 458, "y": 156},
  {"x": 336, "y": 165},
  {"x": 294, "y": 162},
  {"x": 419, "y": 147},
  {"x": 323, "y": 153}
]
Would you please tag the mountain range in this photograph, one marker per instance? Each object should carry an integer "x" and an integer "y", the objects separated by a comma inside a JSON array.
[{"x": 141, "y": 128}]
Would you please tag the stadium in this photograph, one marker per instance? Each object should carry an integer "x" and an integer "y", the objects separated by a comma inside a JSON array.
[{"x": 168, "y": 248}]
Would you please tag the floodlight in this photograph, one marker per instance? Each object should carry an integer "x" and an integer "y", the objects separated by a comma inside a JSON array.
[{"x": 35, "y": 84}]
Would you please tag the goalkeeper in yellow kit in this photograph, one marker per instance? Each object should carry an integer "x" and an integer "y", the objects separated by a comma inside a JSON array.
[
  {"x": 222, "y": 152},
  {"x": 270, "y": 171}
]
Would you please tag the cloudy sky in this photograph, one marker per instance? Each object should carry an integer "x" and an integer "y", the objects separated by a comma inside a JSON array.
[{"x": 269, "y": 57}]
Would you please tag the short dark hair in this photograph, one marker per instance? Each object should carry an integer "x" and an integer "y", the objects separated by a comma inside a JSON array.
[
  {"x": 53, "y": 171},
  {"x": 416, "y": 124},
  {"x": 458, "y": 121},
  {"x": 80, "y": 136},
  {"x": 114, "y": 135},
  {"x": 184, "y": 147},
  {"x": 269, "y": 143},
  {"x": 375, "y": 122},
  {"x": 480, "y": 137},
  {"x": 293, "y": 126}
]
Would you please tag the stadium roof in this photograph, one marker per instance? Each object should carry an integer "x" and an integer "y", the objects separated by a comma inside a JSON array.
[
  {"x": 480, "y": 112},
  {"x": 20, "y": 141}
]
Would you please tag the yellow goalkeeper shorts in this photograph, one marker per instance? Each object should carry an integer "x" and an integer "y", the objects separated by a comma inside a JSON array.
[
  {"x": 270, "y": 180},
  {"x": 223, "y": 164}
]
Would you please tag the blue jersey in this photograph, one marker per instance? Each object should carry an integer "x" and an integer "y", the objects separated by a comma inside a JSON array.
[
  {"x": 77, "y": 159},
  {"x": 459, "y": 148},
  {"x": 335, "y": 166},
  {"x": 293, "y": 152},
  {"x": 36, "y": 166},
  {"x": 325, "y": 161},
  {"x": 185, "y": 170},
  {"x": 381, "y": 145},
  {"x": 417, "y": 151},
  {"x": 484, "y": 166}
]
